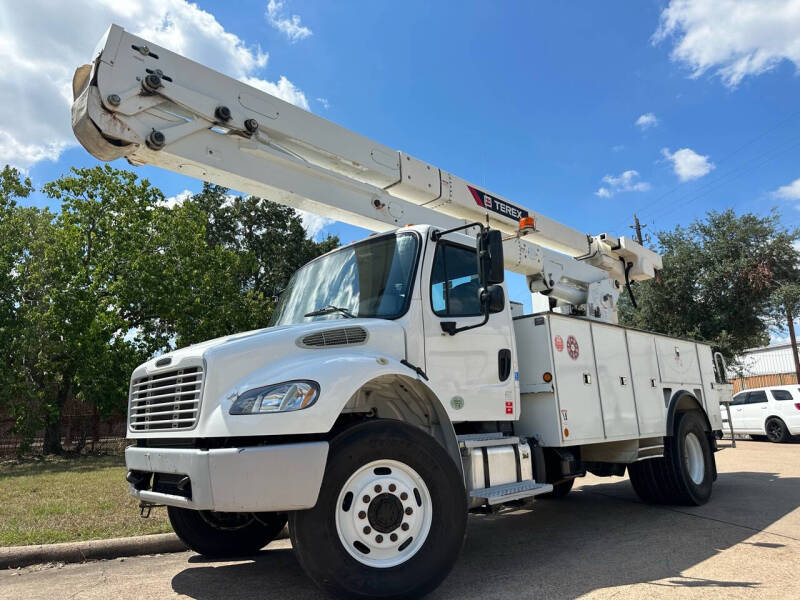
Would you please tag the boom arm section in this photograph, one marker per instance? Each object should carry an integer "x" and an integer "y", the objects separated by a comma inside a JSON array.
[{"x": 152, "y": 106}]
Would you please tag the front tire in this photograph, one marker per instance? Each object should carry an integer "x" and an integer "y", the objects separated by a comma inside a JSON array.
[
  {"x": 684, "y": 474},
  {"x": 777, "y": 432},
  {"x": 224, "y": 535},
  {"x": 391, "y": 515}
]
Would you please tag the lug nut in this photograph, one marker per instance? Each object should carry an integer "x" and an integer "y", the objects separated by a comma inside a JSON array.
[
  {"x": 113, "y": 99},
  {"x": 393, "y": 537},
  {"x": 156, "y": 140},
  {"x": 367, "y": 530},
  {"x": 392, "y": 487},
  {"x": 403, "y": 496},
  {"x": 251, "y": 125},
  {"x": 378, "y": 489},
  {"x": 223, "y": 113},
  {"x": 404, "y": 526},
  {"x": 151, "y": 83},
  {"x": 366, "y": 498},
  {"x": 408, "y": 510},
  {"x": 379, "y": 538},
  {"x": 362, "y": 515}
]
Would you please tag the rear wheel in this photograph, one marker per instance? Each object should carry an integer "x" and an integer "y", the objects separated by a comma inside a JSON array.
[
  {"x": 225, "y": 534},
  {"x": 560, "y": 489},
  {"x": 777, "y": 431},
  {"x": 685, "y": 473},
  {"x": 390, "y": 518}
]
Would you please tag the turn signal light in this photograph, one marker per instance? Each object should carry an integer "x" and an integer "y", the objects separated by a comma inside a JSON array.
[
  {"x": 548, "y": 377},
  {"x": 526, "y": 224}
]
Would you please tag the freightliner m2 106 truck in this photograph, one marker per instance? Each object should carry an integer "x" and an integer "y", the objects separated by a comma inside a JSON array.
[{"x": 397, "y": 388}]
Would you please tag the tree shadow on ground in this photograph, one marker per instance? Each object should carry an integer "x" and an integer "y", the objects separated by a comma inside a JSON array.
[{"x": 599, "y": 536}]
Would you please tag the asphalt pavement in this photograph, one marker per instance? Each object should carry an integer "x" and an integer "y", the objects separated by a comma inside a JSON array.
[{"x": 598, "y": 542}]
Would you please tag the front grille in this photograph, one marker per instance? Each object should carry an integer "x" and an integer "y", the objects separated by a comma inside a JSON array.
[
  {"x": 340, "y": 336},
  {"x": 167, "y": 400}
]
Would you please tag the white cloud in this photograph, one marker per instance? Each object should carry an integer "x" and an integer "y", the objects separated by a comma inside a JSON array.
[
  {"x": 646, "y": 121},
  {"x": 626, "y": 181},
  {"x": 789, "y": 192},
  {"x": 42, "y": 42},
  {"x": 324, "y": 102},
  {"x": 289, "y": 26},
  {"x": 687, "y": 163},
  {"x": 177, "y": 199},
  {"x": 734, "y": 38},
  {"x": 312, "y": 223}
]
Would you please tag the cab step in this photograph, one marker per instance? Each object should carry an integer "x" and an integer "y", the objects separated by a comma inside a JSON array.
[
  {"x": 511, "y": 491},
  {"x": 486, "y": 440}
]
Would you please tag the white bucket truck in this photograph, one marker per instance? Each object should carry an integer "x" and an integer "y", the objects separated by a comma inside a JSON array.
[{"x": 396, "y": 389}]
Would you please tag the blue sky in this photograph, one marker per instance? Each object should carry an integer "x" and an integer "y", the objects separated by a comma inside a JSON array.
[{"x": 534, "y": 101}]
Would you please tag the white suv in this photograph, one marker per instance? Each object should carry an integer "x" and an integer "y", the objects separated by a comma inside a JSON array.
[{"x": 771, "y": 412}]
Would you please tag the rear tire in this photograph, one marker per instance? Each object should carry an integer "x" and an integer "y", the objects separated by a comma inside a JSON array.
[
  {"x": 685, "y": 473},
  {"x": 777, "y": 432},
  {"x": 391, "y": 515},
  {"x": 560, "y": 489},
  {"x": 224, "y": 535}
]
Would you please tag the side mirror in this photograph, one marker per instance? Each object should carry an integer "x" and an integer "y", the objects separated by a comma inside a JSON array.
[
  {"x": 493, "y": 299},
  {"x": 490, "y": 257}
]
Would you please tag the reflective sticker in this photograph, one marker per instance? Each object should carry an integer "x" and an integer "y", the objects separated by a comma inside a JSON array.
[
  {"x": 558, "y": 342},
  {"x": 516, "y": 375},
  {"x": 573, "y": 349}
]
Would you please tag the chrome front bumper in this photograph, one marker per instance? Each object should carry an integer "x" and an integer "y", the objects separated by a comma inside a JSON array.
[{"x": 252, "y": 479}]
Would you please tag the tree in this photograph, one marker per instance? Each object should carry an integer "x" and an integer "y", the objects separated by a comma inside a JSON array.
[{"x": 719, "y": 274}]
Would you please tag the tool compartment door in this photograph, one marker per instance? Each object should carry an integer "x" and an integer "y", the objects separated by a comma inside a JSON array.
[
  {"x": 644, "y": 373},
  {"x": 614, "y": 381},
  {"x": 576, "y": 381}
]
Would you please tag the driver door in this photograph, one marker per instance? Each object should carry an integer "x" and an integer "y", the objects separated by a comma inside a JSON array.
[{"x": 474, "y": 372}]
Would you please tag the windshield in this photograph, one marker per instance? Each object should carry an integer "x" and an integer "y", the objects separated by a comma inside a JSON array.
[{"x": 369, "y": 279}]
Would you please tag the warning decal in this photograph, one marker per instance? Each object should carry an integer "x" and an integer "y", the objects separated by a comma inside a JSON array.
[
  {"x": 573, "y": 349},
  {"x": 558, "y": 342}
]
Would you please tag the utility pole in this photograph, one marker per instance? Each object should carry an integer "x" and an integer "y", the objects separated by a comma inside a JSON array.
[
  {"x": 790, "y": 323},
  {"x": 637, "y": 227}
]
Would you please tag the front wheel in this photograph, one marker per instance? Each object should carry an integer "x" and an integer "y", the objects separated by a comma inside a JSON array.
[
  {"x": 225, "y": 534},
  {"x": 390, "y": 518}
]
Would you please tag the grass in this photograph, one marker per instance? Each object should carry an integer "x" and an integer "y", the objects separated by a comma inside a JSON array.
[{"x": 45, "y": 501}]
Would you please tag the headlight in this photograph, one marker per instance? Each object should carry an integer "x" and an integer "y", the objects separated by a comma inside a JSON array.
[{"x": 281, "y": 397}]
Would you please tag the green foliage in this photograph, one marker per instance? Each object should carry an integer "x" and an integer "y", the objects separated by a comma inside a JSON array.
[
  {"x": 718, "y": 278},
  {"x": 117, "y": 276}
]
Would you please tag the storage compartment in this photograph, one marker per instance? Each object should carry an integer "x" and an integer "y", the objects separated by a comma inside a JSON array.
[{"x": 587, "y": 382}]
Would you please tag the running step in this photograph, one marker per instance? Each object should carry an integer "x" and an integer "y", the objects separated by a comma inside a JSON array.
[
  {"x": 511, "y": 491},
  {"x": 485, "y": 440}
]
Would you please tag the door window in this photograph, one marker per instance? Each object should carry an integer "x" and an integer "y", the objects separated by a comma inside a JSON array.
[
  {"x": 455, "y": 286},
  {"x": 781, "y": 394},
  {"x": 739, "y": 399},
  {"x": 757, "y": 397}
]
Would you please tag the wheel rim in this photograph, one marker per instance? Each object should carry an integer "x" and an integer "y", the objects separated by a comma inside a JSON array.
[
  {"x": 693, "y": 456},
  {"x": 774, "y": 430},
  {"x": 383, "y": 514}
]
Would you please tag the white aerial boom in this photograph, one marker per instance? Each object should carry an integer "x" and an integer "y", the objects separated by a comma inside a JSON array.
[{"x": 152, "y": 106}]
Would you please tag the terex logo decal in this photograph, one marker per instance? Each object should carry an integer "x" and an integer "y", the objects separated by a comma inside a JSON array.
[{"x": 497, "y": 205}]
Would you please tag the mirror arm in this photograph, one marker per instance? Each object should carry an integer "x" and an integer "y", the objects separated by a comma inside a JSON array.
[{"x": 438, "y": 234}]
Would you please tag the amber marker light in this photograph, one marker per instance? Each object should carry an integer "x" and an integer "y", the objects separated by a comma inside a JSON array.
[{"x": 548, "y": 377}]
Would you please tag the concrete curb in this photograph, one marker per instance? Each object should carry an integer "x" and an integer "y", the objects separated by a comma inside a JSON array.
[{"x": 73, "y": 552}]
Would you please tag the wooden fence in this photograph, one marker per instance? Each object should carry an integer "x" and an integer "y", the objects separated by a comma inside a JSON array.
[{"x": 757, "y": 381}]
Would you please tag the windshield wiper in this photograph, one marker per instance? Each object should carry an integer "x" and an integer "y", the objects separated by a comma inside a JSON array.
[{"x": 326, "y": 310}]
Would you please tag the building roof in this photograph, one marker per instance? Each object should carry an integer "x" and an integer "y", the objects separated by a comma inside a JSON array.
[{"x": 769, "y": 360}]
